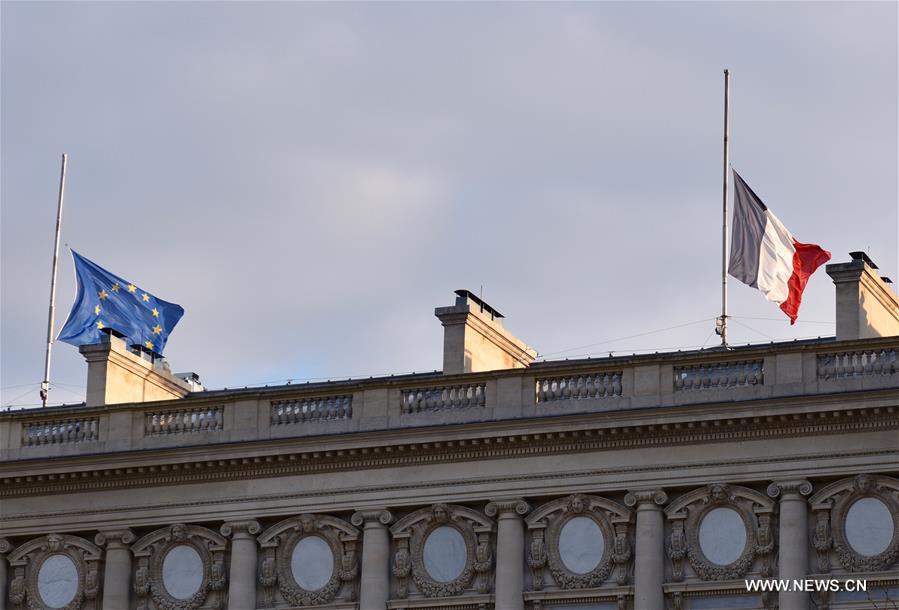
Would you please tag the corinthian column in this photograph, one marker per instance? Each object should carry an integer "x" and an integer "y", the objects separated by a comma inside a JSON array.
[
  {"x": 509, "y": 551},
  {"x": 117, "y": 573},
  {"x": 242, "y": 581},
  {"x": 649, "y": 549},
  {"x": 793, "y": 555},
  {"x": 5, "y": 547},
  {"x": 375, "y": 582}
]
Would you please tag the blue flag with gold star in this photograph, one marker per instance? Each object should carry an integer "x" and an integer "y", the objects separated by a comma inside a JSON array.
[{"x": 107, "y": 302}]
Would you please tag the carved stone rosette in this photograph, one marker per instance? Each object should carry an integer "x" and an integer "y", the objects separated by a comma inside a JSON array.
[
  {"x": 25, "y": 564},
  {"x": 150, "y": 552},
  {"x": 278, "y": 542},
  {"x": 685, "y": 516},
  {"x": 411, "y": 532},
  {"x": 831, "y": 506},
  {"x": 545, "y": 525}
]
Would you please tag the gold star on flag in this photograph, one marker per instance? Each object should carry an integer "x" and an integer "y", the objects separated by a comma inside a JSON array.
[
  {"x": 97, "y": 310},
  {"x": 146, "y": 297},
  {"x": 103, "y": 294},
  {"x": 100, "y": 325},
  {"x": 149, "y": 344},
  {"x": 157, "y": 329},
  {"x": 132, "y": 288},
  {"x": 155, "y": 313},
  {"x": 115, "y": 287}
]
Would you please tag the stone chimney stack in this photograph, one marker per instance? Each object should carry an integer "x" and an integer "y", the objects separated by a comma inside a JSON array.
[
  {"x": 116, "y": 375},
  {"x": 474, "y": 338},
  {"x": 867, "y": 306}
]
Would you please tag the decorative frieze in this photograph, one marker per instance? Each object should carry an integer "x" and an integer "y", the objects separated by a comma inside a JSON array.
[
  {"x": 180, "y": 567},
  {"x": 184, "y": 421},
  {"x": 303, "y": 410},
  {"x": 446, "y": 550},
  {"x": 857, "y": 521},
  {"x": 602, "y": 384},
  {"x": 75, "y": 430},
  {"x": 309, "y": 560},
  {"x": 440, "y": 398},
  {"x": 580, "y": 540},
  {"x": 840, "y": 365},
  {"x": 717, "y": 375},
  {"x": 57, "y": 571}
]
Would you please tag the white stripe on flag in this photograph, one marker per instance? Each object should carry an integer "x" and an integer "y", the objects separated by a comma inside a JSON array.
[{"x": 775, "y": 260}]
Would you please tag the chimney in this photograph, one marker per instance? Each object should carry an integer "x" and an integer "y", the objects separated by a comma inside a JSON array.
[
  {"x": 474, "y": 338},
  {"x": 866, "y": 306},
  {"x": 116, "y": 375}
]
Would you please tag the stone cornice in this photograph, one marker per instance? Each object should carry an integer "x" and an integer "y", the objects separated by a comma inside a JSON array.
[{"x": 102, "y": 474}]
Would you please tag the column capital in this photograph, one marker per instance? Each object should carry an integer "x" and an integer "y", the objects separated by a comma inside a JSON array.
[
  {"x": 792, "y": 490},
  {"x": 240, "y": 529},
  {"x": 646, "y": 498},
  {"x": 115, "y": 539},
  {"x": 507, "y": 506},
  {"x": 5, "y": 546},
  {"x": 375, "y": 516}
]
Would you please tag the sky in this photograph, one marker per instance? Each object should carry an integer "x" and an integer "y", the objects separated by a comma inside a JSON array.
[{"x": 310, "y": 180}]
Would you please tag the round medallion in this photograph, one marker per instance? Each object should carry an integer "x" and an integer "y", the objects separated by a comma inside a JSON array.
[
  {"x": 722, "y": 536},
  {"x": 182, "y": 571},
  {"x": 581, "y": 545},
  {"x": 57, "y": 581},
  {"x": 869, "y": 526},
  {"x": 445, "y": 554},
  {"x": 312, "y": 563}
]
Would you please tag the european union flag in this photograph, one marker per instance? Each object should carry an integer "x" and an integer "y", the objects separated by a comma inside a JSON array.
[{"x": 106, "y": 301}]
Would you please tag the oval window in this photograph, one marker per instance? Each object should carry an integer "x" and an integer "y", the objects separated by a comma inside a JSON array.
[
  {"x": 581, "y": 545},
  {"x": 182, "y": 571},
  {"x": 722, "y": 536},
  {"x": 312, "y": 563},
  {"x": 57, "y": 581},
  {"x": 869, "y": 526},
  {"x": 445, "y": 554}
]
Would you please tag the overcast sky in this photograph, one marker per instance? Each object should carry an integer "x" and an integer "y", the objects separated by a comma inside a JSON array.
[{"x": 310, "y": 180}]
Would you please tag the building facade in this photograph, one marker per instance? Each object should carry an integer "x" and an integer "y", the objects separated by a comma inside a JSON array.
[{"x": 650, "y": 482}]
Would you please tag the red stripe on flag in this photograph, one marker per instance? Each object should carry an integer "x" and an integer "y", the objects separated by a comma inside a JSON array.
[{"x": 806, "y": 259}]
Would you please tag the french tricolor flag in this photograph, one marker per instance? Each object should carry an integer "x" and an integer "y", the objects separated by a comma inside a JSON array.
[{"x": 766, "y": 256}]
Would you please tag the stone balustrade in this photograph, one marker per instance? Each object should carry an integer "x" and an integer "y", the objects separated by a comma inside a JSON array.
[
  {"x": 77, "y": 430},
  {"x": 311, "y": 409},
  {"x": 621, "y": 384},
  {"x": 719, "y": 375},
  {"x": 444, "y": 397},
  {"x": 603, "y": 384},
  {"x": 184, "y": 421},
  {"x": 857, "y": 363}
]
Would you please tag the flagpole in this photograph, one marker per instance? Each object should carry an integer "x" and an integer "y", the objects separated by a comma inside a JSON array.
[
  {"x": 45, "y": 384},
  {"x": 723, "y": 320}
]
